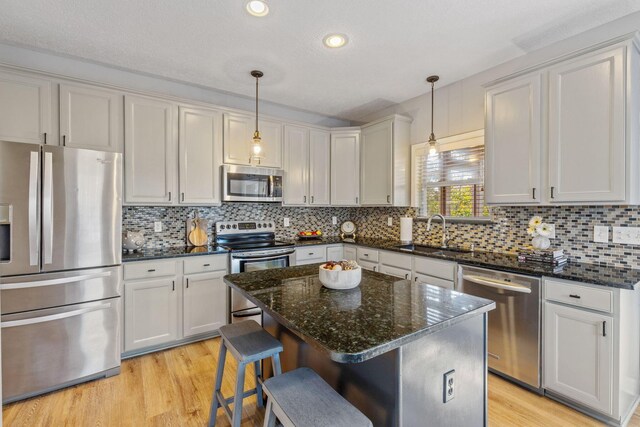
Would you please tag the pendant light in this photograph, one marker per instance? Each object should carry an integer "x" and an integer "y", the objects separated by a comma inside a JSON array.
[
  {"x": 433, "y": 148},
  {"x": 256, "y": 144}
]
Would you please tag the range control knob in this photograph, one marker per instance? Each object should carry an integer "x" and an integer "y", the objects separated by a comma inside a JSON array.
[
  {"x": 264, "y": 225},
  {"x": 259, "y": 225},
  {"x": 270, "y": 225},
  {"x": 235, "y": 226}
]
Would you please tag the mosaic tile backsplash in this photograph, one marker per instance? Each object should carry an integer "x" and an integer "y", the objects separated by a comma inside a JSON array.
[{"x": 574, "y": 226}]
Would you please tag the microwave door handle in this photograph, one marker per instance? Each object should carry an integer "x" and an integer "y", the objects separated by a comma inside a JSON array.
[
  {"x": 47, "y": 209},
  {"x": 34, "y": 168},
  {"x": 495, "y": 283},
  {"x": 270, "y": 185}
]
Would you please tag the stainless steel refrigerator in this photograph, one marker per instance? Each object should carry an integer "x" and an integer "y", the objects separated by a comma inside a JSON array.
[{"x": 60, "y": 273}]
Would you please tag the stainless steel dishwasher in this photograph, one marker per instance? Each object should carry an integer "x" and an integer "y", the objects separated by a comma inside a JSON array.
[{"x": 514, "y": 326}]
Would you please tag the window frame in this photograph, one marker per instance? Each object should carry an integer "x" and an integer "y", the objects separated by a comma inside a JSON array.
[{"x": 455, "y": 142}]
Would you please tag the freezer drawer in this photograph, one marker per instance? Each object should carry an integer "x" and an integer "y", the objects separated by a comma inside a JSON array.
[
  {"x": 38, "y": 291},
  {"x": 47, "y": 349}
]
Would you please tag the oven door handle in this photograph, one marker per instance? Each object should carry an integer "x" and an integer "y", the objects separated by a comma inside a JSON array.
[
  {"x": 495, "y": 283},
  {"x": 262, "y": 257}
]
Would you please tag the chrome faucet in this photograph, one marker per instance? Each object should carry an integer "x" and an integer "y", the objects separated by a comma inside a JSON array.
[{"x": 445, "y": 237}]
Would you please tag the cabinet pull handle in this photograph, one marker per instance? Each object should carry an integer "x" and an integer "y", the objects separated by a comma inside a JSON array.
[
  {"x": 45, "y": 138},
  {"x": 151, "y": 270},
  {"x": 406, "y": 276},
  {"x": 187, "y": 283},
  {"x": 173, "y": 285},
  {"x": 64, "y": 140},
  {"x": 604, "y": 328},
  {"x": 415, "y": 279},
  {"x": 311, "y": 199},
  {"x": 366, "y": 254},
  {"x": 206, "y": 265},
  {"x": 574, "y": 296},
  {"x": 183, "y": 196},
  {"x": 374, "y": 268},
  {"x": 305, "y": 199},
  {"x": 534, "y": 193},
  {"x": 169, "y": 195},
  {"x": 388, "y": 198},
  {"x": 356, "y": 200},
  {"x": 552, "y": 190}
]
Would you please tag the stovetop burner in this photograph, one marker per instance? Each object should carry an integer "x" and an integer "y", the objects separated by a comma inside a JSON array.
[{"x": 248, "y": 235}]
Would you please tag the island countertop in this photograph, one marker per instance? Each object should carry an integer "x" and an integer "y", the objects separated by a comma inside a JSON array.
[{"x": 352, "y": 326}]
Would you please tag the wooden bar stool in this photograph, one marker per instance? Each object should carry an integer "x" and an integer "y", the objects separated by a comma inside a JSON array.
[
  {"x": 300, "y": 398},
  {"x": 248, "y": 343}
]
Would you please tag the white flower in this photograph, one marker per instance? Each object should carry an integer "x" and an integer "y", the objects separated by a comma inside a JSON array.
[
  {"x": 535, "y": 221},
  {"x": 544, "y": 230},
  {"x": 531, "y": 231}
]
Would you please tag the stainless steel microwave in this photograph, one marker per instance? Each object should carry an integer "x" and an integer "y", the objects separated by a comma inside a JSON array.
[{"x": 251, "y": 184}]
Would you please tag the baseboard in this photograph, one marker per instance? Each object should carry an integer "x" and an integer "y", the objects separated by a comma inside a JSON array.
[{"x": 166, "y": 346}]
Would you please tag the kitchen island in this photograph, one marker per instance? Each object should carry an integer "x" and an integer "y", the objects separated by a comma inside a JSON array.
[{"x": 385, "y": 345}]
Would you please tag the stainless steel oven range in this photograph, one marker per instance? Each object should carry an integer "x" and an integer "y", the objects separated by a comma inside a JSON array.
[{"x": 253, "y": 247}]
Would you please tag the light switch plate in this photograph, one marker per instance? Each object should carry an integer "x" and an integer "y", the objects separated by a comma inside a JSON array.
[
  {"x": 553, "y": 231},
  {"x": 157, "y": 226},
  {"x": 286, "y": 222},
  {"x": 334, "y": 220},
  {"x": 626, "y": 235},
  {"x": 390, "y": 221},
  {"x": 600, "y": 234}
]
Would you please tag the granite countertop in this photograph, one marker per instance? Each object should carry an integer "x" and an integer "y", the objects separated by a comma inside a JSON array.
[
  {"x": 351, "y": 326},
  {"x": 603, "y": 275},
  {"x": 147, "y": 254}
]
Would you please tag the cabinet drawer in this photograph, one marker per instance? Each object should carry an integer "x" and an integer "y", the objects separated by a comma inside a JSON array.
[
  {"x": 367, "y": 254},
  {"x": 579, "y": 296},
  {"x": 149, "y": 269},
  {"x": 205, "y": 264},
  {"x": 435, "y": 281},
  {"x": 395, "y": 260},
  {"x": 434, "y": 267},
  {"x": 368, "y": 265},
  {"x": 311, "y": 253},
  {"x": 395, "y": 271}
]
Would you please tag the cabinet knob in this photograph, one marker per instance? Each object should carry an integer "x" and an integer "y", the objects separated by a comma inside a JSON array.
[
  {"x": 206, "y": 265},
  {"x": 574, "y": 296}
]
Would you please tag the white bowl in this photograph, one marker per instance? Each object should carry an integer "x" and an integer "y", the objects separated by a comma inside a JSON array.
[{"x": 340, "y": 279}]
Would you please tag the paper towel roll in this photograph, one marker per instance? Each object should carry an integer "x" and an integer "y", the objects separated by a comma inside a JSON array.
[{"x": 406, "y": 229}]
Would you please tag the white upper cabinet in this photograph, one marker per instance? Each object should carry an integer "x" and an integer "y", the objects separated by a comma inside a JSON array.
[
  {"x": 296, "y": 165},
  {"x": 587, "y": 128},
  {"x": 25, "y": 109},
  {"x": 238, "y": 136},
  {"x": 376, "y": 157},
  {"x": 149, "y": 156},
  {"x": 513, "y": 141},
  {"x": 587, "y": 154},
  {"x": 90, "y": 118},
  {"x": 200, "y": 135},
  {"x": 319, "y": 168},
  {"x": 345, "y": 168}
]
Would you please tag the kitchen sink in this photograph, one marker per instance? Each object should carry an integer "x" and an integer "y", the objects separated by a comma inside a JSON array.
[{"x": 432, "y": 250}]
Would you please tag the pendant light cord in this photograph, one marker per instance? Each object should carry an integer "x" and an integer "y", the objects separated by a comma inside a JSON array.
[
  {"x": 257, "y": 78},
  {"x": 432, "y": 85}
]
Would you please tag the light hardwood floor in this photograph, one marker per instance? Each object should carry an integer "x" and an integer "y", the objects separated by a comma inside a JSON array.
[{"x": 173, "y": 388}]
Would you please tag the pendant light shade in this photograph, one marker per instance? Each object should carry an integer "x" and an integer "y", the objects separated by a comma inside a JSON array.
[
  {"x": 433, "y": 143},
  {"x": 256, "y": 143}
]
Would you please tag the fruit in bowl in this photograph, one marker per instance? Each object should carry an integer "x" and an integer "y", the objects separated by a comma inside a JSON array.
[
  {"x": 310, "y": 234},
  {"x": 340, "y": 275}
]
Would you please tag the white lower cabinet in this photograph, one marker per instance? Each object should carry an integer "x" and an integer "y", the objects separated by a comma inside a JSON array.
[
  {"x": 434, "y": 272},
  {"x": 311, "y": 254},
  {"x": 395, "y": 264},
  {"x": 335, "y": 253},
  {"x": 164, "y": 307},
  {"x": 151, "y": 313},
  {"x": 350, "y": 253},
  {"x": 205, "y": 303},
  {"x": 579, "y": 355}
]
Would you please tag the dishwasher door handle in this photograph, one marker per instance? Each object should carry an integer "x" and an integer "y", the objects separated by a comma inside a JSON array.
[{"x": 495, "y": 283}]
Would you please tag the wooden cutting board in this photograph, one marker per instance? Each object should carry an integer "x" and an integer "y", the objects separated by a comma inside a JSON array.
[{"x": 198, "y": 235}]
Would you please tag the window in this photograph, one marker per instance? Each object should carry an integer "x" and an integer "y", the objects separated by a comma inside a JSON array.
[{"x": 451, "y": 181}]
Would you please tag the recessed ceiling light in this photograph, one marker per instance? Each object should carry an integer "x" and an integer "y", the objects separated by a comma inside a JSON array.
[
  {"x": 257, "y": 8},
  {"x": 335, "y": 40}
]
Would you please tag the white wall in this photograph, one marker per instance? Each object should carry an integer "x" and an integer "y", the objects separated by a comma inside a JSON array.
[
  {"x": 65, "y": 66},
  {"x": 459, "y": 107}
]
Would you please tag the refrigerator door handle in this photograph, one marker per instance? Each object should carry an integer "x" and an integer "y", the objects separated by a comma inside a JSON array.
[
  {"x": 47, "y": 209},
  {"x": 52, "y": 317},
  {"x": 34, "y": 169},
  {"x": 51, "y": 282}
]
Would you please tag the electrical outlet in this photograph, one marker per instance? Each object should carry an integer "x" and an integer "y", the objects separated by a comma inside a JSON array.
[
  {"x": 334, "y": 220},
  {"x": 389, "y": 221},
  {"x": 600, "y": 234},
  {"x": 449, "y": 384},
  {"x": 552, "y": 227},
  {"x": 626, "y": 235},
  {"x": 286, "y": 222},
  {"x": 157, "y": 226}
]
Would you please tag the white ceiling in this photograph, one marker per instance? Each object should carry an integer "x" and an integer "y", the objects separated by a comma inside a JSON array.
[{"x": 393, "y": 45}]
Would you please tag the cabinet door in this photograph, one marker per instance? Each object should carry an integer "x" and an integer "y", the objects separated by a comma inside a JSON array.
[
  {"x": 90, "y": 118},
  {"x": 587, "y": 128},
  {"x": 205, "y": 303},
  {"x": 150, "y": 313},
  {"x": 350, "y": 253},
  {"x": 149, "y": 161},
  {"x": 296, "y": 165},
  {"x": 513, "y": 141},
  {"x": 578, "y": 355},
  {"x": 238, "y": 135},
  {"x": 25, "y": 109},
  {"x": 200, "y": 145},
  {"x": 319, "y": 167},
  {"x": 430, "y": 280},
  {"x": 335, "y": 253},
  {"x": 376, "y": 159},
  {"x": 345, "y": 169}
]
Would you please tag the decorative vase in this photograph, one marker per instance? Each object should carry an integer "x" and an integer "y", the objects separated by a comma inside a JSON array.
[{"x": 540, "y": 242}]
